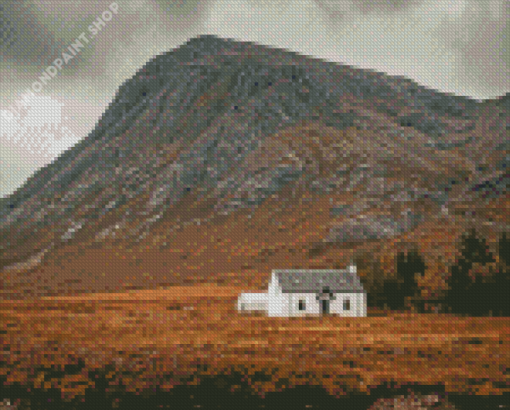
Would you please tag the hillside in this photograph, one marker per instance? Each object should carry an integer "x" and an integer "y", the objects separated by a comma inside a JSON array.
[{"x": 222, "y": 160}]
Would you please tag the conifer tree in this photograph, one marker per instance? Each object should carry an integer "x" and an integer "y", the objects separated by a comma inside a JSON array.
[
  {"x": 404, "y": 285},
  {"x": 393, "y": 294},
  {"x": 500, "y": 289},
  {"x": 408, "y": 267},
  {"x": 475, "y": 250},
  {"x": 504, "y": 250},
  {"x": 500, "y": 301},
  {"x": 465, "y": 296},
  {"x": 375, "y": 297}
]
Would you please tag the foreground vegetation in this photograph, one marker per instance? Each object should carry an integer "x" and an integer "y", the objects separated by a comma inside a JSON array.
[{"x": 175, "y": 336}]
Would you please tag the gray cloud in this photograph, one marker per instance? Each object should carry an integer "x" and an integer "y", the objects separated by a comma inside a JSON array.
[
  {"x": 478, "y": 38},
  {"x": 337, "y": 9},
  {"x": 454, "y": 46},
  {"x": 473, "y": 30},
  {"x": 34, "y": 32}
]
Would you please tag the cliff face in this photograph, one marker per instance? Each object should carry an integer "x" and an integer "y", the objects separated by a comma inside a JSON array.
[{"x": 222, "y": 156}]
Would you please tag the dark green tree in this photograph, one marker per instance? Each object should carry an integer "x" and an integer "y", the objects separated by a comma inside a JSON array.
[
  {"x": 375, "y": 294},
  {"x": 504, "y": 250},
  {"x": 466, "y": 296},
  {"x": 393, "y": 295},
  {"x": 373, "y": 281},
  {"x": 475, "y": 250},
  {"x": 480, "y": 295},
  {"x": 498, "y": 292},
  {"x": 500, "y": 301},
  {"x": 408, "y": 268},
  {"x": 457, "y": 297}
]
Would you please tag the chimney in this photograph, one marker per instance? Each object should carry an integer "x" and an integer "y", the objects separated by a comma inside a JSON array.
[{"x": 352, "y": 267}]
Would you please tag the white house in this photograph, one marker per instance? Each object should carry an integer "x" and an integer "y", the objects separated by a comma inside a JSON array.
[{"x": 300, "y": 292}]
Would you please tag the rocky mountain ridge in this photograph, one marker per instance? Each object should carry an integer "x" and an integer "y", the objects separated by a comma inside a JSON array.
[{"x": 218, "y": 128}]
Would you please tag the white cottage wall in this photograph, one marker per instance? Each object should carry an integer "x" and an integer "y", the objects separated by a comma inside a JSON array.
[
  {"x": 278, "y": 303},
  {"x": 337, "y": 306},
  {"x": 313, "y": 307},
  {"x": 311, "y": 304},
  {"x": 253, "y": 301},
  {"x": 363, "y": 305},
  {"x": 356, "y": 308}
]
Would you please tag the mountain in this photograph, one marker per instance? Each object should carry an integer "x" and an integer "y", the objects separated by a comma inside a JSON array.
[{"x": 222, "y": 160}]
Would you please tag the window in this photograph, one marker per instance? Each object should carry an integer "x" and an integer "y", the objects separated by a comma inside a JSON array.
[
  {"x": 347, "y": 304},
  {"x": 302, "y": 305}
]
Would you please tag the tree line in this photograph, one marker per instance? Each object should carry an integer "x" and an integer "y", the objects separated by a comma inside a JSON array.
[{"x": 473, "y": 288}]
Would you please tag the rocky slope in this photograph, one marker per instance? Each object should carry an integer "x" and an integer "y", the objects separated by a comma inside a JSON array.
[{"x": 223, "y": 156}]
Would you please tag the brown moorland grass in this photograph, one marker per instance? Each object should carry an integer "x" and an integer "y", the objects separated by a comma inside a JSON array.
[{"x": 171, "y": 336}]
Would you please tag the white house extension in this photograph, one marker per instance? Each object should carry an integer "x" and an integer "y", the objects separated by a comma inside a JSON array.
[{"x": 300, "y": 292}]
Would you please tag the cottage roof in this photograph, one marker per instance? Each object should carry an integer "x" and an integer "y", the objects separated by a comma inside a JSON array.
[{"x": 314, "y": 280}]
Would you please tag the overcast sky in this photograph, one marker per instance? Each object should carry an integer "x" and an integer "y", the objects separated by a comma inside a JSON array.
[{"x": 454, "y": 46}]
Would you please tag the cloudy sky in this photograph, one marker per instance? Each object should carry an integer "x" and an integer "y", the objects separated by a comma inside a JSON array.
[{"x": 454, "y": 46}]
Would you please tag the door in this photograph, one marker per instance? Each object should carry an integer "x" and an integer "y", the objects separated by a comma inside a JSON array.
[
  {"x": 325, "y": 307},
  {"x": 324, "y": 298}
]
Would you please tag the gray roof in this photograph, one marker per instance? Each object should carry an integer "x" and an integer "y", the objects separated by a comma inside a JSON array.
[{"x": 314, "y": 280}]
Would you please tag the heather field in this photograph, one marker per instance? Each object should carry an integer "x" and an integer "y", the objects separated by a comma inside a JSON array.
[{"x": 177, "y": 335}]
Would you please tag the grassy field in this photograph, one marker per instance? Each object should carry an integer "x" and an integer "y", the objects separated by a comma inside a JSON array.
[{"x": 170, "y": 336}]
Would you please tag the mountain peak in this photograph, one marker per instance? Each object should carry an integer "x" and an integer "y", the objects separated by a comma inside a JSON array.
[{"x": 202, "y": 135}]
